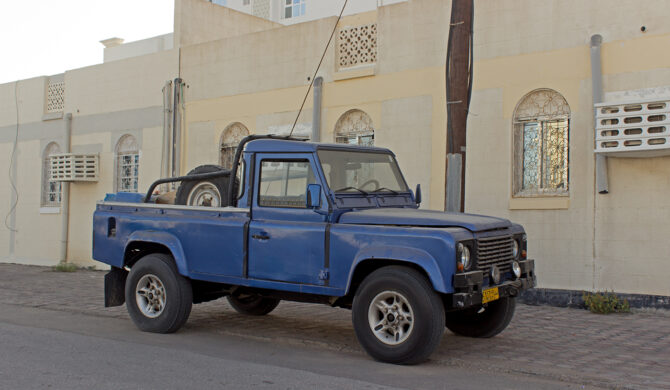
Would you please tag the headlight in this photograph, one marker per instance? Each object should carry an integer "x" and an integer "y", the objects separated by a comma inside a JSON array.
[
  {"x": 463, "y": 256},
  {"x": 515, "y": 248}
]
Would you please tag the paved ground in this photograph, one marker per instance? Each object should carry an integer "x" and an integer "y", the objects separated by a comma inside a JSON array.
[
  {"x": 63, "y": 350},
  {"x": 571, "y": 345}
]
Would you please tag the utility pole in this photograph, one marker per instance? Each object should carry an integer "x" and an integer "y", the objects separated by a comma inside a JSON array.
[{"x": 459, "y": 89}]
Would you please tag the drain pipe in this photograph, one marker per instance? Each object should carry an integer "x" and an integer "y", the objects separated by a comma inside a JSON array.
[
  {"x": 602, "y": 185},
  {"x": 316, "y": 114},
  {"x": 65, "y": 193},
  {"x": 167, "y": 126},
  {"x": 176, "y": 128}
]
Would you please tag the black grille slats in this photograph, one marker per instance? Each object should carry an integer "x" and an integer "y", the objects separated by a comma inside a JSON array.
[{"x": 495, "y": 251}]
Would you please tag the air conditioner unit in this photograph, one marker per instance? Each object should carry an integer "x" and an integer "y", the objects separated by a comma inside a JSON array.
[{"x": 72, "y": 167}]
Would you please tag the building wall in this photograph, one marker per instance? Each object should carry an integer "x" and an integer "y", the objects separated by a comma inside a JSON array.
[
  {"x": 197, "y": 21},
  {"x": 106, "y": 101},
  {"x": 585, "y": 241},
  {"x": 239, "y": 68}
]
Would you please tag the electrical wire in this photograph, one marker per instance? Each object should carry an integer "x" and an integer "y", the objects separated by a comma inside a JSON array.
[
  {"x": 11, "y": 162},
  {"x": 325, "y": 50}
]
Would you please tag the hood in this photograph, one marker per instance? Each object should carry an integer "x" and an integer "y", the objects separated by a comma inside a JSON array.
[{"x": 415, "y": 217}]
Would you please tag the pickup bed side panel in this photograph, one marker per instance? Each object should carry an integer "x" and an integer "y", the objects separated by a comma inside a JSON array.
[
  {"x": 430, "y": 249},
  {"x": 211, "y": 242}
]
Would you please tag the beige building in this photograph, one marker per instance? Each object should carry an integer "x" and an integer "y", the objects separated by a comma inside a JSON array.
[{"x": 531, "y": 136}]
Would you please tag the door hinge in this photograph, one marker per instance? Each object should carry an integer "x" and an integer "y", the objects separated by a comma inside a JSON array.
[{"x": 324, "y": 274}]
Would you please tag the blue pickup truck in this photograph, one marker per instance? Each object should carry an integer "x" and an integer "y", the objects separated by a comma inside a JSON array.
[{"x": 300, "y": 221}]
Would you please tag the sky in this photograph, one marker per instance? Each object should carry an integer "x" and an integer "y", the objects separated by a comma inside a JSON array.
[{"x": 47, "y": 37}]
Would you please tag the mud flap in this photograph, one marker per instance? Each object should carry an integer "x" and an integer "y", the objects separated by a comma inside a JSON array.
[{"x": 115, "y": 287}]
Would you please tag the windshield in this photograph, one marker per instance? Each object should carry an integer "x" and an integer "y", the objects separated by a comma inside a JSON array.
[{"x": 361, "y": 172}]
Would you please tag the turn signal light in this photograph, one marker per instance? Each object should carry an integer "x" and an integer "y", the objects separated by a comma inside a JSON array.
[{"x": 523, "y": 254}]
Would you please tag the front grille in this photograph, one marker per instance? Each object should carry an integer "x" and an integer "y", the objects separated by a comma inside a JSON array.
[{"x": 495, "y": 251}]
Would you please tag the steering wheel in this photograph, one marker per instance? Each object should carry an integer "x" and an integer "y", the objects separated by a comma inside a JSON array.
[{"x": 371, "y": 181}]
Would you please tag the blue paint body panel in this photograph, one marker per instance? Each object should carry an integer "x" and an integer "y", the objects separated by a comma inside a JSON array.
[
  {"x": 303, "y": 250},
  {"x": 415, "y": 217}
]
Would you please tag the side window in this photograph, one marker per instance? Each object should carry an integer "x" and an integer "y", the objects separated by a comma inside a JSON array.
[{"x": 283, "y": 183}]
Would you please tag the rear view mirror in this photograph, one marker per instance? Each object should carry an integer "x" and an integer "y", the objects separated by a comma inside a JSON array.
[{"x": 313, "y": 196}]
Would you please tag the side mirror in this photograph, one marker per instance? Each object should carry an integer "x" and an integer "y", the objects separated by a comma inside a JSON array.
[
  {"x": 417, "y": 194},
  {"x": 313, "y": 196}
]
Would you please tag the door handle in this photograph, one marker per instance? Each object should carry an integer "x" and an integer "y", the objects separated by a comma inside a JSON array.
[{"x": 261, "y": 236}]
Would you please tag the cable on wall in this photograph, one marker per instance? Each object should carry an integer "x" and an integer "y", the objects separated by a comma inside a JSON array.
[
  {"x": 12, "y": 179},
  {"x": 325, "y": 50}
]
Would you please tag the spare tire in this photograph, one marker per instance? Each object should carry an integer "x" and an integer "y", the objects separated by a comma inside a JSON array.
[{"x": 209, "y": 192}]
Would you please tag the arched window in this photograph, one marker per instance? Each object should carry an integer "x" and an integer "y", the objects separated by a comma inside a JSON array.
[
  {"x": 127, "y": 164},
  {"x": 230, "y": 138},
  {"x": 51, "y": 190},
  {"x": 355, "y": 127},
  {"x": 541, "y": 144}
]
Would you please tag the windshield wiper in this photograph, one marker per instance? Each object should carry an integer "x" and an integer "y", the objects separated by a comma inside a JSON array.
[
  {"x": 385, "y": 189},
  {"x": 351, "y": 188}
]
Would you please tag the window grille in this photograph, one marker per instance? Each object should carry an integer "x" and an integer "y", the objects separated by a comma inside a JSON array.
[
  {"x": 357, "y": 46},
  {"x": 127, "y": 164},
  {"x": 51, "y": 190},
  {"x": 355, "y": 128},
  {"x": 541, "y": 144},
  {"x": 55, "y": 96},
  {"x": 230, "y": 139}
]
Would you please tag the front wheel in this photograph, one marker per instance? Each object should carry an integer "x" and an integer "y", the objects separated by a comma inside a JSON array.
[
  {"x": 485, "y": 321},
  {"x": 397, "y": 316},
  {"x": 254, "y": 305},
  {"x": 158, "y": 298}
]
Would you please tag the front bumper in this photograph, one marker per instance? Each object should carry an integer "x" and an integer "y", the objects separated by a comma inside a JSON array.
[{"x": 468, "y": 286}]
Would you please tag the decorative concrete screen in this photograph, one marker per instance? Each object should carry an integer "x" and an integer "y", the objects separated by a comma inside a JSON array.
[
  {"x": 261, "y": 8},
  {"x": 633, "y": 129},
  {"x": 55, "y": 96},
  {"x": 74, "y": 167},
  {"x": 357, "y": 46}
]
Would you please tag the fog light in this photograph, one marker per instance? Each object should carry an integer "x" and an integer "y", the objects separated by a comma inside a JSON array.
[
  {"x": 495, "y": 274},
  {"x": 516, "y": 268}
]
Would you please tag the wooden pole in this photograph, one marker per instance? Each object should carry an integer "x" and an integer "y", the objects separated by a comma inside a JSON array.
[{"x": 459, "y": 80}]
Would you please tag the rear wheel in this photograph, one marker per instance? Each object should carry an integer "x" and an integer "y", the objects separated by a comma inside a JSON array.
[
  {"x": 484, "y": 321},
  {"x": 397, "y": 316},
  {"x": 254, "y": 305},
  {"x": 158, "y": 298}
]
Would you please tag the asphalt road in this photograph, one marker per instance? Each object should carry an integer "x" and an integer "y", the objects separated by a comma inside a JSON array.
[{"x": 41, "y": 348}]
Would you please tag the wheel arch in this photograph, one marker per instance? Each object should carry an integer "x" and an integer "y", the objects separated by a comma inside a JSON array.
[
  {"x": 141, "y": 243},
  {"x": 371, "y": 259}
]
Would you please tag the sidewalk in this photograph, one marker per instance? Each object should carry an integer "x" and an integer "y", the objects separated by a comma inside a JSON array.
[{"x": 612, "y": 351}]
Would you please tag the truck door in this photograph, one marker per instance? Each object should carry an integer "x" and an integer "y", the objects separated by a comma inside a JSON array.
[{"x": 286, "y": 239}]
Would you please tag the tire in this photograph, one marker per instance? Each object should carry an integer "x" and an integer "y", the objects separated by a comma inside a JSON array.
[
  {"x": 152, "y": 277},
  {"x": 253, "y": 305},
  {"x": 210, "y": 192},
  {"x": 419, "y": 316},
  {"x": 474, "y": 322}
]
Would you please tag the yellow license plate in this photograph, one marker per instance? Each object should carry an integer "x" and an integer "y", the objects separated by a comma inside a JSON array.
[{"x": 490, "y": 294}]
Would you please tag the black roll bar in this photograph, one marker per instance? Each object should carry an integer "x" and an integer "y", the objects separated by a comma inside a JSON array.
[{"x": 222, "y": 173}]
